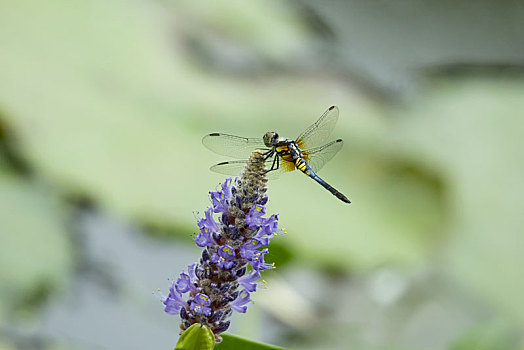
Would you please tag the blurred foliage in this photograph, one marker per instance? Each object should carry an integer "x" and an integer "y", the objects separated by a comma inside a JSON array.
[
  {"x": 137, "y": 166},
  {"x": 473, "y": 129},
  {"x": 35, "y": 251},
  {"x": 493, "y": 336},
  {"x": 389, "y": 45}
]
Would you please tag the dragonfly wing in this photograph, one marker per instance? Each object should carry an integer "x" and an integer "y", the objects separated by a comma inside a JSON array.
[
  {"x": 318, "y": 133},
  {"x": 235, "y": 167},
  {"x": 232, "y": 146},
  {"x": 232, "y": 168},
  {"x": 319, "y": 156}
]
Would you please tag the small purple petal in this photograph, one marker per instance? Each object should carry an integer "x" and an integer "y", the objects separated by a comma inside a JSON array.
[
  {"x": 183, "y": 283},
  {"x": 208, "y": 224},
  {"x": 220, "y": 199},
  {"x": 268, "y": 229},
  {"x": 226, "y": 188},
  {"x": 174, "y": 301},
  {"x": 270, "y": 225},
  {"x": 226, "y": 252},
  {"x": 202, "y": 299},
  {"x": 247, "y": 281},
  {"x": 191, "y": 271},
  {"x": 203, "y": 238},
  {"x": 253, "y": 218},
  {"x": 239, "y": 303},
  {"x": 200, "y": 305},
  {"x": 225, "y": 259},
  {"x": 256, "y": 258},
  {"x": 253, "y": 244},
  {"x": 209, "y": 230}
]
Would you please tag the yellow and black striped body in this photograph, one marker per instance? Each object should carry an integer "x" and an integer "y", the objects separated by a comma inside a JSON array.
[
  {"x": 288, "y": 155},
  {"x": 291, "y": 157}
]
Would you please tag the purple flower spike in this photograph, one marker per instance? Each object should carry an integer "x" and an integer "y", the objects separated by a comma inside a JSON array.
[
  {"x": 232, "y": 242},
  {"x": 200, "y": 305},
  {"x": 174, "y": 301},
  {"x": 239, "y": 303},
  {"x": 248, "y": 280}
]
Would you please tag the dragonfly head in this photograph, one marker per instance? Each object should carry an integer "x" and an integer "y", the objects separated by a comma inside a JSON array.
[{"x": 270, "y": 138}]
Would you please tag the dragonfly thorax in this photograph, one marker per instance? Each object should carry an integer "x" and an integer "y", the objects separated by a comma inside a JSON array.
[
  {"x": 270, "y": 139},
  {"x": 294, "y": 150}
]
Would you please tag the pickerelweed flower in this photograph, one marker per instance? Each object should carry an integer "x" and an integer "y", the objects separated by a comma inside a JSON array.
[{"x": 232, "y": 233}]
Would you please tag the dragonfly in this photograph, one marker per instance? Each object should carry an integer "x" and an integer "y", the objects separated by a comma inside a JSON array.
[{"x": 308, "y": 152}]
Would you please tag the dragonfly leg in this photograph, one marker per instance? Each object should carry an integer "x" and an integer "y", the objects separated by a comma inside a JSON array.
[
  {"x": 276, "y": 161},
  {"x": 268, "y": 154}
]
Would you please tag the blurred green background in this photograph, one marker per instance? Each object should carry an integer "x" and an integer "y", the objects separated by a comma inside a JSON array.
[{"x": 102, "y": 108}]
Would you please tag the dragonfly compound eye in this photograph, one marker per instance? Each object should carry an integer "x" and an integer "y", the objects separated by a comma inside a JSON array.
[{"x": 270, "y": 138}]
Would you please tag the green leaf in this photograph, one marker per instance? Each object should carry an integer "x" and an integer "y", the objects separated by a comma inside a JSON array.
[
  {"x": 232, "y": 342},
  {"x": 196, "y": 337}
]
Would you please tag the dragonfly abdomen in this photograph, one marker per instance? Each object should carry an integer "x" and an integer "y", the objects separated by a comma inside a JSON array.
[{"x": 304, "y": 167}]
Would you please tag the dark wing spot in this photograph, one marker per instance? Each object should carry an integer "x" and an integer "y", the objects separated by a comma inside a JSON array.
[
  {"x": 214, "y": 134},
  {"x": 330, "y": 108},
  {"x": 222, "y": 163}
]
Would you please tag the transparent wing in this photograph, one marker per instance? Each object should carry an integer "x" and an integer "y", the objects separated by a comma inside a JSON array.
[
  {"x": 235, "y": 167},
  {"x": 232, "y": 168},
  {"x": 319, "y": 156},
  {"x": 232, "y": 146},
  {"x": 318, "y": 133}
]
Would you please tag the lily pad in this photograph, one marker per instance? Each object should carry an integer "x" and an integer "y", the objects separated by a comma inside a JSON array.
[{"x": 35, "y": 252}]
